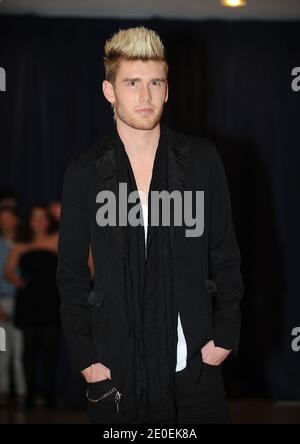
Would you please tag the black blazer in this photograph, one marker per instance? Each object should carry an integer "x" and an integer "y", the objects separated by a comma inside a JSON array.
[{"x": 207, "y": 278}]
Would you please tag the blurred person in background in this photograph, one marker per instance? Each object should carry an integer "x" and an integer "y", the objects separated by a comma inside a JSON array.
[
  {"x": 8, "y": 198},
  {"x": 54, "y": 207},
  {"x": 12, "y": 357},
  {"x": 37, "y": 300}
]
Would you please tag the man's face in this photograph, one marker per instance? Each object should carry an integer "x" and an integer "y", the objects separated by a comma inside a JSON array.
[{"x": 139, "y": 93}]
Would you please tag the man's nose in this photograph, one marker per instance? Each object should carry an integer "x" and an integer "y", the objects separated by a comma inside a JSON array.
[{"x": 145, "y": 94}]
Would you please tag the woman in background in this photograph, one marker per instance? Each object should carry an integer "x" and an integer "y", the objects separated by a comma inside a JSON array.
[
  {"x": 37, "y": 300},
  {"x": 11, "y": 359}
]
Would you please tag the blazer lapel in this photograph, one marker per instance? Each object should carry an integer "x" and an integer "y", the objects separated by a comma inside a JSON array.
[
  {"x": 106, "y": 162},
  {"x": 178, "y": 154},
  {"x": 106, "y": 167}
]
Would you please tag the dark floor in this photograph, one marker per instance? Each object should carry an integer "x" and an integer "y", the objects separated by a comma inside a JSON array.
[
  {"x": 259, "y": 411},
  {"x": 243, "y": 411}
]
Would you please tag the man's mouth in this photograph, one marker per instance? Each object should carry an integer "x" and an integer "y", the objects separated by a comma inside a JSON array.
[{"x": 145, "y": 110}]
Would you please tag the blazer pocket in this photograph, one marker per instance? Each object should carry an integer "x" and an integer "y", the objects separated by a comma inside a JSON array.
[{"x": 95, "y": 298}]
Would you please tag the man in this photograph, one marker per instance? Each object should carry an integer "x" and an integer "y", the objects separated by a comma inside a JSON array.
[{"x": 150, "y": 336}]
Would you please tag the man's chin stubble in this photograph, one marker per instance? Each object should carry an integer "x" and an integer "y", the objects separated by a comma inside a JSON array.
[
  {"x": 139, "y": 124},
  {"x": 135, "y": 124}
]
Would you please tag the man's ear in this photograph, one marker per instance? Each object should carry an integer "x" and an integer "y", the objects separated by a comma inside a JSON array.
[
  {"x": 108, "y": 91},
  {"x": 167, "y": 92}
]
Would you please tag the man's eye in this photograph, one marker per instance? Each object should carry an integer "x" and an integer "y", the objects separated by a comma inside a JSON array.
[
  {"x": 156, "y": 82},
  {"x": 131, "y": 83}
]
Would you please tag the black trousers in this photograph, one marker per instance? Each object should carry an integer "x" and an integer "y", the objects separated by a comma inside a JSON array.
[{"x": 204, "y": 403}]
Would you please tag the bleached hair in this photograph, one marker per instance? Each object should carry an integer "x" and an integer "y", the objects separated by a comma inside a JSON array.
[{"x": 137, "y": 43}]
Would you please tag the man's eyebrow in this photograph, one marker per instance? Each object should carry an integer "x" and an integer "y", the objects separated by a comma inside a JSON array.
[
  {"x": 159, "y": 79},
  {"x": 136, "y": 79}
]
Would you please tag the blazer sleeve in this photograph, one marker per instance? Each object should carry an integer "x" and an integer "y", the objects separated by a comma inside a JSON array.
[
  {"x": 225, "y": 261},
  {"x": 73, "y": 274}
]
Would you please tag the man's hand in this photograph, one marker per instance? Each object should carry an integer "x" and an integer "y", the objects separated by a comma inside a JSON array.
[
  {"x": 213, "y": 355},
  {"x": 96, "y": 372}
]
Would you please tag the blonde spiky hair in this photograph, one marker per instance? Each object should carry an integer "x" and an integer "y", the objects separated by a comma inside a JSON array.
[{"x": 137, "y": 43}]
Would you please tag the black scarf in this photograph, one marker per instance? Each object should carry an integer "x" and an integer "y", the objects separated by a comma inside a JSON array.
[{"x": 151, "y": 311}]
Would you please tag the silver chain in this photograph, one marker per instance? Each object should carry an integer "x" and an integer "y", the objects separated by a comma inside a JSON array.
[
  {"x": 117, "y": 399},
  {"x": 117, "y": 396},
  {"x": 102, "y": 397}
]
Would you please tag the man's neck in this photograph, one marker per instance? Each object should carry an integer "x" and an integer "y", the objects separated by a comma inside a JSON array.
[{"x": 139, "y": 143}]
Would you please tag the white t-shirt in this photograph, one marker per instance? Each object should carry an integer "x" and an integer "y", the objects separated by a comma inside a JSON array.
[{"x": 181, "y": 344}]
